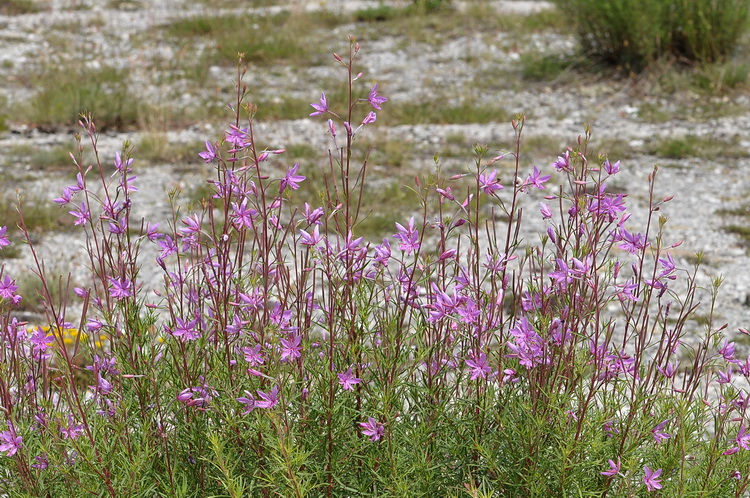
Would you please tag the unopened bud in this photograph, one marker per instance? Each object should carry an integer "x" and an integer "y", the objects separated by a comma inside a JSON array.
[
  {"x": 499, "y": 298},
  {"x": 447, "y": 254},
  {"x": 495, "y": 159},
  {"x": 337, "y": 57}
]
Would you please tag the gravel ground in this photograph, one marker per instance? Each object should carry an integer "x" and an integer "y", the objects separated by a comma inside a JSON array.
[{"x": 701, "y": 187}]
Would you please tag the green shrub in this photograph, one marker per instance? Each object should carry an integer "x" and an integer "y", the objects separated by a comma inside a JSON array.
[
  {"x": 62, "y": 95},
  {"x": 708, "y": 30},
  {"x": 286, "y": 37},
  {"x": 15, "y": 7},
  {"x": 634, "y": 33},
  {"x": 431, "y": 5}
]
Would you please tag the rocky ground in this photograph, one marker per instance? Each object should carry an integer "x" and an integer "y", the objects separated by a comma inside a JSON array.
[{"x": 705, "y": 189}]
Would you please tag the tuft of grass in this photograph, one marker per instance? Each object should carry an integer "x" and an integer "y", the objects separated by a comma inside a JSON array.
[
  {"x": 708, "y": 79},
  {"x": 742, "y": 231},
  {"x": 156, "y": 148},
  {"x": 282, "y": 108},
  {"x": 613, "y": 148},
  {"x": 391, "y": 153},
  {"x": 654, "y": 113},
  {"x": 39, "y": 214},
  {"x": 538, "y": 66},
  {"x": 385, "y": 202},
  {"x": 693, "y": 146},
  {"x": 30, "y": 287},
  {"x": 4, "y": 113},
  {"x": 55, "y": 158},
  {"x": 287, "y": 37},
  {"x": 197, "y": 196},
  {"x": 301, "y": 151},
  {"x": 17, "y": 7},
  {"x": 62, "y": 95},
  {"x": 380, "y": 13},
  {"x": 633, "y": 34},
  {"x": 127, "y": 5},
  {"x": 445, "y": 24},
  {"x": 719, "y": 77},
  {"x": 743, "y": 211}
]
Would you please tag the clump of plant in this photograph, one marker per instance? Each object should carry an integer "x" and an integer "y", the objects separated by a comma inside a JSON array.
[
  {"x": 286, "y": 355},
  {"x": 633, "y": 34},
  {"x": 61, "y": 96},
  {"x": 16, "y": 7}
]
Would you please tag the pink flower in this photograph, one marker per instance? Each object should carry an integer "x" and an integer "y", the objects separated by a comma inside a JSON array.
[
  {"x": 290, "y": 348},
  {"x": 268, "y": 400},
  {"x": 291, "y": 179},
  {"x": 374, "y": 99},
  {"x": 248, "y": 401},
  {"x": 320, "y": 108},
  {"x": 370, "y": 118},
  {"x": 743, "y": 439},
  {"x": 488, "y": 183},
  {"x": 209, "y": 154},
  {"x": 121, "y": 288},
  {"x": 372, "y": 428},
  {"x": 408, "y": 236},
  {"x": 614, "y": 468},
  {"x": 536, "y": 179},
  {"x": 186, "y": 330},
  {"x": 651, "y": 478},
  {"x": 348, "y": 380},
  {"x": 545, "y": 210},
  {"x": 658, "y": 433},
  {"x": 10, "y": 442},
  {"x": 610, "y": 168},
  {"x": 478, "y": 366}
]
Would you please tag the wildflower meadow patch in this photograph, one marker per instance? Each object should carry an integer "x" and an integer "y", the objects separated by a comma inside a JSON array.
[{"x": 285, "y": 355}]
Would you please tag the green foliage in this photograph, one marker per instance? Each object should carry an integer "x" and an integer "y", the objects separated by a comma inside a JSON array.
[
  {"x": 693, "y": 146},
  {"x": 707, "y": 30},
  {"x": 632, "y": 34},
  {"x": 425, "y": 6},
  {"x": 39, "y": 213},
  {"x": 62, "y": 95},
  {"x": 15, "y": 7},
  {"x": 156, "y": 148},
  {"x": 537, "y": 66},
  {"x": 378, "y": 14},
  {"x": 287, "y": 37},
  {"x": 53, "y": 158},
  {"x": 4, "y": 113}
]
